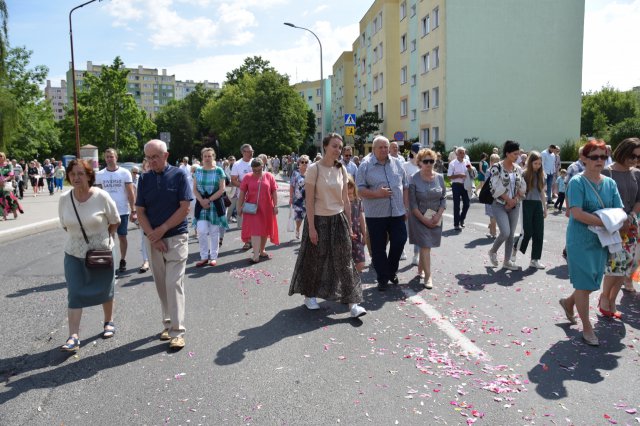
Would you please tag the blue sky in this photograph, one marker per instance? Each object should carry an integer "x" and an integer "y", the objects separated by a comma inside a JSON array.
[{"x": 204, "y": 39}]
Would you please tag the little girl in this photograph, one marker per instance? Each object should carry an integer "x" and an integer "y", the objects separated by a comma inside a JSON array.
[
  {"x": 8, "y": 201},
  {"x": 488, "y": 210},
  {"x": 358, "y": 225}
]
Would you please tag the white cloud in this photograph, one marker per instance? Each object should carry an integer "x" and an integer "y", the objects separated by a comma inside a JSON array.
[
  {"x": 611, "y": 40},
  {"x": 167, "y": 26}
]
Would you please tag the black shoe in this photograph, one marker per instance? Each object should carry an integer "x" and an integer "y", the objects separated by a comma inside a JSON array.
[
  {"x": 123, "y": 266},
  {"x": 461, "y": 224},
  {"x": 457, "y": 228},
  {"x": 395, "y": 280},
  {"x": 383, "y": 287}
]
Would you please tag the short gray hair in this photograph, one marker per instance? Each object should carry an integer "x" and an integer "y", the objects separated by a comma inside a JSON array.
[
  {"x": 245, "y": 146},
  {"x": 377, "y": 139},
  {"x": 156, "y": 143}
]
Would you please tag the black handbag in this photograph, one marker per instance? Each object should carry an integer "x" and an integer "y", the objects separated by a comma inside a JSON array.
[{"x": 96, "y": 258}]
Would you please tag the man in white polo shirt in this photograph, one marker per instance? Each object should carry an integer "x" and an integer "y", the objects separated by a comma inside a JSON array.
[
  {"x": 118, "y": 183},
  {"x": 238, "y": 172},
  {"x": 457, "y": 172}
]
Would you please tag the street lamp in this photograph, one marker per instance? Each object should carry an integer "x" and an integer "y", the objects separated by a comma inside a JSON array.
[
  {"x": 73, "y": 80},
  {"x": 322, "y": 113}
]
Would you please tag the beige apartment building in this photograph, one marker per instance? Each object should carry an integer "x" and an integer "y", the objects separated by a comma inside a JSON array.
[
  {"x": 151, "y": 89},
  {"x": 462, "y": 72},
  {"x": 183, "y": 88},
  {"x": 342, "y": 94},
  {"x": 57, "y": 96}
]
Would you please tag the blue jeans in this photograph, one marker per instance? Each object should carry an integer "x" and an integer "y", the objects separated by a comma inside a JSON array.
[
  {"x": 458, "y": 191},
  {"x": 549, "y": 187},
  {"x": 379, "y": 229},
  {"x": 50, "y": 185}
]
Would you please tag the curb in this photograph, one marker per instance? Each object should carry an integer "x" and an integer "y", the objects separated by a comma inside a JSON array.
[{"x": 26, "y": 230}]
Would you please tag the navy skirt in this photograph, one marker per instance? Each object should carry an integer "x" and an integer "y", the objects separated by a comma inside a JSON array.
[{"x": 87, "y": 287}]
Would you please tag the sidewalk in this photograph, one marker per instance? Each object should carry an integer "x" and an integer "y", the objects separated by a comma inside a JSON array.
[{"x": 40, "y": 214}]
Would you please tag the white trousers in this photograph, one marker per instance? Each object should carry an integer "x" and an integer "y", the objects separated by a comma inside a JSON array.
[{"x": 208, "y": 239}]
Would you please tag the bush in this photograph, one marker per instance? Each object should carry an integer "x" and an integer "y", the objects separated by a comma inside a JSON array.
[
  {"x": 438, "y": 146},
  {"x": 628, "y": 128},
  {"x": 569, "y": 149},
  {"x": 474, "y": 151}
]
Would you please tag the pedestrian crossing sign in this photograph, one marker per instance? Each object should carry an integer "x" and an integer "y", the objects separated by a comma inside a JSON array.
[
  {"x": 350, "y": 131},
  {"x": 349, "y": 119}
]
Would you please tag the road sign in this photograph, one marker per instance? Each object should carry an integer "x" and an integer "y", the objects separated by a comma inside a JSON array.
[
  {"x": 349, "y": 119},
  {"x": 166, "y": 138},
  {"x": 399, "y": 136},
  {"x": 350, "y": 131}
]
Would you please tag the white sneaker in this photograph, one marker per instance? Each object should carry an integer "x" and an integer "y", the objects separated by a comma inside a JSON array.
[
  {"x": 428, "y": 283},
  {"x": 510, "y": 266},
  {"x": 415, "y": 260},
  {"x": 311, "y": 303},
  {"x": 493, "y": 258},
  {"x": 514, "y": 255},
  {"x": 535, "y": 263},
  {"x": 357, "y": 311},
  {"x": 404, "y": 256}
]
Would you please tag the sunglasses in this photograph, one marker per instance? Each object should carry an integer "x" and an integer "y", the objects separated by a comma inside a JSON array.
[
  {"x": 597, "y": 157},
  {"x": 428, "y": 161},
  {"x": 304, "y": 162},
  {"x": 346, "y": 155}
]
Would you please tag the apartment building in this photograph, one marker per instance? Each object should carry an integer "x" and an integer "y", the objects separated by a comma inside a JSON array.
[
  {"x": 183, "y": 88},
  {"x": 342, "y": 96},
  {"x": 310, "y": 91},
  {"x": 57, "y": 96},
  {"x": 460, "y": 72}
]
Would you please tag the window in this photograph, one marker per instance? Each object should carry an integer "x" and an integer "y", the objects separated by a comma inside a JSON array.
[
  {"x": 403, "y": 75},
  {"x": 319, "y": 136},
  {"x": 363, "y": 65},
  {"x": 403, "y": 42},
  {"x": 413, "y": 115},
  {"x": 375, "y": 55},
  {"x": 436, "y": 19},
  {"x": 436, "y": 57},
  {"x": 375, "y": 84},
  {"x": 424, "y": 137},
  {"x": 435, "y": 134},
  {"x": 317, "y": 92},
  {"x": 403, "y": 10},
  {"x": 425, "y": 63},
  {"x": 425, "y": 101},
  {"x": 435, "y": 95},
  {"x": 403, "y": 108},
  {"x": 381, "y": 111},
  {"x": 310, "y": 98},
  {"x": 319, "y": 121},
  {"x": 413, "y": 80},
  {"x": 318, "y": 107},
  {"x": 424, "y": 24},
  {"x": 381, "y": 81},
  {"x": 413, "y": 45},
  {"x": 412, "y": 13},
  {"x": 380, "y": 51}
]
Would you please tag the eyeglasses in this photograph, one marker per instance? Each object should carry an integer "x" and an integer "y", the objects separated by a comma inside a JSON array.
[
  {"x": 346, "y": 155},
  {"x": 153, "y": 157},
  {"x": 304, "y": 162},
  {"x": 428, "y": 161},
  {"x": 597, "y": 157}
]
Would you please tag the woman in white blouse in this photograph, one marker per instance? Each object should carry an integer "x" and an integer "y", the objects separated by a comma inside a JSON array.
[{"x": 100, "y": 219}]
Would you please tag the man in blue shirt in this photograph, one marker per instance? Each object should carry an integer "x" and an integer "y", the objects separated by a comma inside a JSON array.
[
  {"x": 383, "y": 186},
  {"x": 163, "y": 202}
]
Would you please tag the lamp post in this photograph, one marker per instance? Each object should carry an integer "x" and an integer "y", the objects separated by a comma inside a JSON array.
[
  {"x": 73, "y": 80},
  {"x": 322, "y": 113}
]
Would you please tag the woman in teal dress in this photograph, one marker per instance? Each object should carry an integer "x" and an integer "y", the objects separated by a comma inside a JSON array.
[
  {"x": 210, "y": 214},
  {"x": 587, "y": 193}
]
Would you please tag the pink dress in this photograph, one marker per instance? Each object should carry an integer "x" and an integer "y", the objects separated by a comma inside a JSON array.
[{"x": 264, "y": 223}]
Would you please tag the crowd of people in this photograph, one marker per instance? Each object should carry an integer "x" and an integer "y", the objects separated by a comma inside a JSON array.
[{"x": 343, "y": 206}]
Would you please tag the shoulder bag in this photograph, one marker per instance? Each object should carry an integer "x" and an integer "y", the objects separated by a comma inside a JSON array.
[
  {"x": 94, "y": 259},
  {"x": 252, "y": 208}
]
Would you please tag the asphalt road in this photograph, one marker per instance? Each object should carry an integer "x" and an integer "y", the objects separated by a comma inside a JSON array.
[{"x": 254, "y": 355}]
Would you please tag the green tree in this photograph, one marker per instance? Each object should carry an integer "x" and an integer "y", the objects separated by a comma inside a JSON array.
[
  {"x": 251, "y": 66},
  {"x": 108, "y": 115},
  {"x": 629, "y": 128},
  {"x": 606, "y": 108},
  {"x": 366, "y": 124},
  {"x": 26, "y": 119},
  {"x": 260, "y": 109}
]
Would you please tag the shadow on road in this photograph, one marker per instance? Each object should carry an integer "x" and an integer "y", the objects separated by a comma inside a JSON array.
[
  {"x": 83, "y": 368},
  {"x": 286, "y": 323},
  {"x": 573, "y": 360},
  {"x": 47, "y": 287},
  {"x": 561, "y": 272},
  {"x": 476, "y": 282},
  {"x": 478, "y": 242}
]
